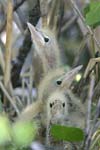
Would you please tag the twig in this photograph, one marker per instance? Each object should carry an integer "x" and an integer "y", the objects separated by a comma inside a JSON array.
[
  {"x": 9, "y": 97},
  {"x": 68, "y": 23},
  {"x": 30, "y": 86},
  {"x": 93, "y": 126},
  {"x": 23, "y": 89},
  {"x": 19, "y": 101},
  {"x": 96, "y": 91},
  {"x": 95, "y": 141},
  {"x": 18, "y": 4},
  {"x": 80, "y": 50},
  {"x": 89, "y": 103},
  {"x": 97, "y": 114},
  {"x": 88, "y": 137}
]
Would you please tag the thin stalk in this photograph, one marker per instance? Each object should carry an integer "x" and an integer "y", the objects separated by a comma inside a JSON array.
[
  {"x": 9, "y": 97},
  {"x": 8, "y": 46},
  {"x": 87, "y": 140}
]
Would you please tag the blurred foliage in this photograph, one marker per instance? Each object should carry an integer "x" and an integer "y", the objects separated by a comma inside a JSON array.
[{"x": 18, "y": 135}]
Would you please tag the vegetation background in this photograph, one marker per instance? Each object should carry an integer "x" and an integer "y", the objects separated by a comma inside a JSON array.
[{"x": 79, "y": 42}]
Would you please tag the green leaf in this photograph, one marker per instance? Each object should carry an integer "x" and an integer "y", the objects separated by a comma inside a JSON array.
[
  {"x": 93, "y": 15},
  {"x": 86, "y": 9},
  {"x": 71, "y": 134}
]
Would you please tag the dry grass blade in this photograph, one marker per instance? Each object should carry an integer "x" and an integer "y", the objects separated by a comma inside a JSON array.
[
  {"x": 9, "y": 97},
  {"x": 91, "y": 140},
  {"x": 68, "y": 24},
  {"x": 8, "y": 44},
  {"x": 96, "y": 142},
  {"x": 52, "y": 19},
  {"x": 88, "y": 125},
  {"x": 89, "y": 103},
  {"x": 91, "y": 65}
]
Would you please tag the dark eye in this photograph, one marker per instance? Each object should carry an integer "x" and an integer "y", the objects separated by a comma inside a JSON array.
[
  {"x": 50, "y": 105},
  {"x": 59, "y": 82},
  {"x": 63, "y": 104},
  {"x": 46, "y": 39}
]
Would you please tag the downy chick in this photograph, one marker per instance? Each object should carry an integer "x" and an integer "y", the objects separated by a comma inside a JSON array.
[
  {"x": 46, "y": 52},
  {"x": 53, "y": 104}
]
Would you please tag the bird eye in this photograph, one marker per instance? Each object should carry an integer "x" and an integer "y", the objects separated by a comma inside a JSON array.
[
  {"x": 63, "y": 104},
  {"x": 46, "y": 39},
  {"x": 59, "y": 82},
  {"x": 50, "y": 105}
]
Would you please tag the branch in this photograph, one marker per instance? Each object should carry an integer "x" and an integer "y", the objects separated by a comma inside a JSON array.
[{"x": 18, "y": 4}]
